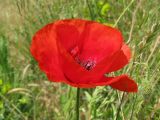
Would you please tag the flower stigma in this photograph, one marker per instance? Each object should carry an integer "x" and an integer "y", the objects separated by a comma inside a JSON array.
[{"x": 87, "y": 64}]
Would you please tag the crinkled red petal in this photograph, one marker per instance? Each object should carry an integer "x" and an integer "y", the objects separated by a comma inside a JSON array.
[
  {"x": 44, "y": 50},
  {"x": 122, "y": 83},
  {"x": 69, "y": 32},
  {"x": 115, "y": 62},
  {"x": 125, "y": 83},
  {"x": 99, "y": 41}
]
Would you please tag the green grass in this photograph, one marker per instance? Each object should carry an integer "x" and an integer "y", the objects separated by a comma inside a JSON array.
[{"x": 25, "y": 92}]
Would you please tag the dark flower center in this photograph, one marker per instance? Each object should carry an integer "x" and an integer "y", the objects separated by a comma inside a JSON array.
[{"x": 87, "y": 64}]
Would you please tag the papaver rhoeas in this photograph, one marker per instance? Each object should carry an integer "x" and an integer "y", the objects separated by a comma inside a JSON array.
[{"x": 80, "y": 53}]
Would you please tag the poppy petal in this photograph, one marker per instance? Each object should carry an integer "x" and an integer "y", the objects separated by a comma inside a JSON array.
[
  {"x": 125, "y": 83},
  {"x": 69, "y": 32},
  {"x": 99, "y": 41},
  {"x": 120, "y": 59},
  {"x": 115, "y": 62},
  {"x": 122, "y": 83},
  {"x": 44, "y": 50}
]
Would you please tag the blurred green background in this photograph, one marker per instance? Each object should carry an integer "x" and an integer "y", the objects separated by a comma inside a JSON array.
[{"x": 25, "y": 92}]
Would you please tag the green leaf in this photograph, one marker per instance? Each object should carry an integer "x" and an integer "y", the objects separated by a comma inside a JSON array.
[
  {"x": 105, "y": 9},
  {"x": 1, "y": 105},
  {"x": 5, "y": 88},
  {"x": 1, "y": 82},
  {"x": 23, "y": 100}
]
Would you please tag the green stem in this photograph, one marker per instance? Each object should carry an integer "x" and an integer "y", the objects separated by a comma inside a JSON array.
[{"x": 77, "y": 104}]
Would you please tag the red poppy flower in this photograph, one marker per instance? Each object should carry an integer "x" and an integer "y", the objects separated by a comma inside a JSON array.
[{"x": 80, "y": 53}]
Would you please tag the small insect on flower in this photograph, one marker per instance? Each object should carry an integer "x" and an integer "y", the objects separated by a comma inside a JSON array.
[{"x": 80, "y": 53}]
